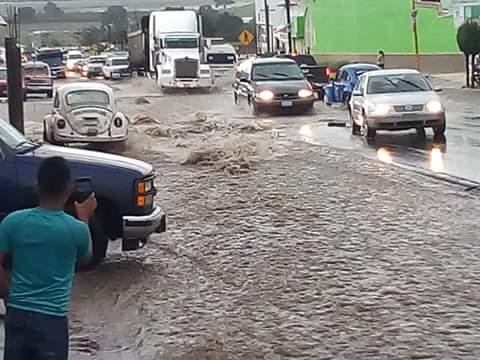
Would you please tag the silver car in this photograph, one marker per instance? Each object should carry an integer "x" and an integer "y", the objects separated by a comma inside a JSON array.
[
  {"x": 85, "y": 113},
  {"x": 395, "y": 100}
]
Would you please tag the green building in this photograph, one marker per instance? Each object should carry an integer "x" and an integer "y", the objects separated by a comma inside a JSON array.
[{"x": 354, "y": 30}]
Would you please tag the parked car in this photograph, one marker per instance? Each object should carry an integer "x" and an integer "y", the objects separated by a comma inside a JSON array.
[
  {"x": 85, "y": 113},
  {"x": 72, "y": 58},
  {"x": 93, "y": 67},
  {"x": 317, "y": 75},
  {"x": 4, "y": 87},
  {"x": 340, "y": 89},
  {"x": 38, "y": 78},
  {"x": 124, "y": 189},
  {"x": 116, "y": 68},
  {"x": 395, "y": 100},
  {"x": 273, "y": 83}
]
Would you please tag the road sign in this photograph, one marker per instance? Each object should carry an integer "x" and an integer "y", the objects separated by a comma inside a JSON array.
[{"x": 246, "y": 37}]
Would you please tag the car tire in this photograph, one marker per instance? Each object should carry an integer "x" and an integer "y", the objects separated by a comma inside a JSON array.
[
  {"x": 99, "y": 245},
  {"x": 439, "y": 131},
  {"x": 421, "y": 133},
  {"x": 368, "y": 133},
  {"x": 356, "y": 130}
]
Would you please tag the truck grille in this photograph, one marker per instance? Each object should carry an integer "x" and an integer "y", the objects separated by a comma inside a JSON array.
[{"x": 186, "y": 68}]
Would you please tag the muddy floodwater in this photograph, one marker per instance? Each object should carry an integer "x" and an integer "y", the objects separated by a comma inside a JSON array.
[{"x": 279, "y": 246}]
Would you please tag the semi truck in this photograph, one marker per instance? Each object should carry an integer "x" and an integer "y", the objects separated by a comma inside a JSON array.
[{"x": 170, "y": 46}]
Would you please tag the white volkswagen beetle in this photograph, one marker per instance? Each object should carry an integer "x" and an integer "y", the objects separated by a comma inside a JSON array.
[{"x": 84, "y": 113}]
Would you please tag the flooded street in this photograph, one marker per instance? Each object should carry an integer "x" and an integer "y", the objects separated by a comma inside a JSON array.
[{"x": 287, "y": 238}]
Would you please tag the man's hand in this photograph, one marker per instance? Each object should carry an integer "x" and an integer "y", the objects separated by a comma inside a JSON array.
[{"x": 86, "y": 209}]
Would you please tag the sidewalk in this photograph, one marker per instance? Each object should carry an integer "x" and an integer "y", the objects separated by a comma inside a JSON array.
[{"x": 452, "y": 80}]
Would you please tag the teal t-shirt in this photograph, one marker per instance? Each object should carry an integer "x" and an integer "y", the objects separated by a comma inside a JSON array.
[{"x": 44, "y": 245}]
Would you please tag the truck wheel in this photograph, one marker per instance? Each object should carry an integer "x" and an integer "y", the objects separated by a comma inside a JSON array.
[{"x": 99, "y": 245}]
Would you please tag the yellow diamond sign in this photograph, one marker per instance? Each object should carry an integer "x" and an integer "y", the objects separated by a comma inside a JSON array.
[{"x": 246, "y": 37}]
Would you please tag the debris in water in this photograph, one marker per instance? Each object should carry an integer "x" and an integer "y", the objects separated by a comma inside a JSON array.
[
  {"x": 201, "y": 117},
  {"x": 142, "y": 100},
  {"x": 233, "y": 155},
  {"x": 143, "y": 119},
  {"x": 159, "y": 131}
]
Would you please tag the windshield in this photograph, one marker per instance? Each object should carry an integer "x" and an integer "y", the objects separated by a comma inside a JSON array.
[
  {"x": 10, "y": 136},
  {"x": 90, "y": 97},
  {"x": 36, "y": 71},
  {"x": 277, "y": 71},
  {"x": 119, "y": 62},
  {"x": 398, "y": 83},
  {"x": 75, "y": 56},
  {"x": 181, "y": 43},
  {"x": 3, "y": 74}
]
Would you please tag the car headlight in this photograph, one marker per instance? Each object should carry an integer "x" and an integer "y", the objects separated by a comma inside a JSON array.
[
  {"x": 380, "y": 109},
  {"x": 144, "y": 195},
  {"x": 144, "y": 186},
  {"x": 434, "y": 106},
  {"x": 304, "y": 93},
  {"x": 265, "y": 95}
]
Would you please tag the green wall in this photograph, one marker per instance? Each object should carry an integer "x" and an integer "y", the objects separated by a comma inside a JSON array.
[{"x": 365, "y": 26}]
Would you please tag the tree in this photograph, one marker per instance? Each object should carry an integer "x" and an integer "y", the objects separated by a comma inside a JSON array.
[
  {"x": 229, "y": 27},
  {"x": 26, "y": 14},
  {"x": 468, "y": 39},
  {"x": 223, "y": 3},
  {"x": 115, "y": 18},
  {"x": 52, "y": 11}
]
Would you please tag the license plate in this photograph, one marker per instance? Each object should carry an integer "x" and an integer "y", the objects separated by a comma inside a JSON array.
[
  {"x": 286, "y": 104},
  {"x": 92, "y": 132}
]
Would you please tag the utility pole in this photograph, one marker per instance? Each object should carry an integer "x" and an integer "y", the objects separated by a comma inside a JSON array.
[
  {"x": 289, "y": 25},
  {"x": 14, "y": 73},
  {"x": 415, "y": 34},
  {"x": 267, "y": 25}
]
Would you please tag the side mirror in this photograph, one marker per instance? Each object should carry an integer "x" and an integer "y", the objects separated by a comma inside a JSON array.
[
  {"x": 244, "y": 80},
  {"x": 357, "y": 93}
]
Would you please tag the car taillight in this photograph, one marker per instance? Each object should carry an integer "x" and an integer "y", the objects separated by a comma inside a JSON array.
[
  {"x": 61, "y": 124},
  {"x": 118, "y": 122}
]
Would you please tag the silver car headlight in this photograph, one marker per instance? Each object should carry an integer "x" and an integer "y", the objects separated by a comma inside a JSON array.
[
  {"x": 380, "y": 109},
  {"x": 434, "y": 107}
]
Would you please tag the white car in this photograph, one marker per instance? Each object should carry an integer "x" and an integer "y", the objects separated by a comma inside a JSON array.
[
  {"x": 94, "y": 66},
  {"x": 395, "y": 100},
  {"x": 84, "y": 112},
  {"x": 116, "y": 68},
  {"x": 72, "y": 58}
]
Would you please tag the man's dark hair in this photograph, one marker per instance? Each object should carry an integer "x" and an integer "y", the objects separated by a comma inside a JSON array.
[{"x": 53, "y": 177}]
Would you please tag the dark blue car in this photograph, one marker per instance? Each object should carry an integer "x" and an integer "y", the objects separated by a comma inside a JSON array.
[
  {"x": 124, "y": 188},
  {"x": 340, "y": 89}
]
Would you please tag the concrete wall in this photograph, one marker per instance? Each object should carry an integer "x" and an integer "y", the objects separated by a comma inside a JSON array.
[{"x": 433, "y": 64}]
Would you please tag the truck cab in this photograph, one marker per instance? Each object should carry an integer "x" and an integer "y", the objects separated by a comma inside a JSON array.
[{"x": 178, "y": 62}]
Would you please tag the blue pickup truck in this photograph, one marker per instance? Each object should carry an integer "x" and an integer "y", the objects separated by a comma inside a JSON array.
[{"x": 124, "y": 188}]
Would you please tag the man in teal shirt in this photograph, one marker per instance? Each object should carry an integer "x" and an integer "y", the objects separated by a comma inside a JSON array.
[{"x": 44, "y": 244}]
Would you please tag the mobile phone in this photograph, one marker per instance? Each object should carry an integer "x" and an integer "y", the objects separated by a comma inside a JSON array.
[{"x": 83, "y": 188}]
